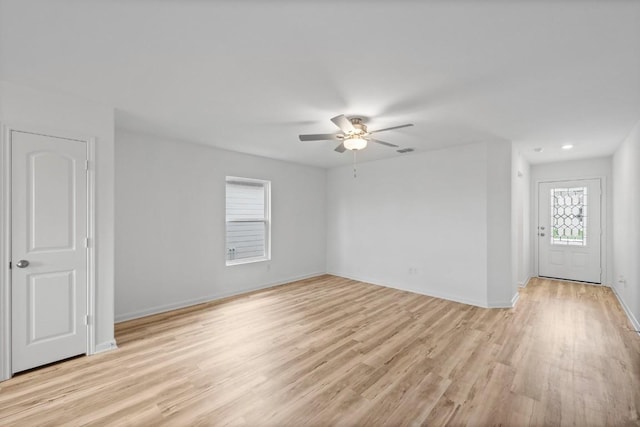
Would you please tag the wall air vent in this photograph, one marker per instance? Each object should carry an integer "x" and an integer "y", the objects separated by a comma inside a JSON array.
[{"x": 405, "y": 150}]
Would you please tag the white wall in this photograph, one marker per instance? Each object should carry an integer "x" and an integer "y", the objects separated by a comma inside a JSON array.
[
  {"x": 578, "y": 169},
  {"x": 420, "y": 222},
  {"x": 502, "y": 286},
  {"x": 521, "y": 219},
  {"x": 170, "y": 223},
  {"x": 30, "y": 109},
  {"x": 626, "y": 224}
]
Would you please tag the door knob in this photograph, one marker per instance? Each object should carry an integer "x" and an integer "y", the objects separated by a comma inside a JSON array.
[
  {"x": 541, "y": 234},
  {"x": 23, "y": 263}
]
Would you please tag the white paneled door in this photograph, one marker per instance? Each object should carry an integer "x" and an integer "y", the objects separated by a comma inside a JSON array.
[
  {"x": 569, "y": 230},
  {"x": 48, "y": 249}
]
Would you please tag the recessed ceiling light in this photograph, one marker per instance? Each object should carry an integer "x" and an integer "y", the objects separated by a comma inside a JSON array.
[
  {"x": 538, "y": 149},
  {"x": 567, "y": 146}
]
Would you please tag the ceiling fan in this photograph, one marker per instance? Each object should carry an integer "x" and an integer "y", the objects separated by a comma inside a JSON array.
[{"x": 354, "y": 136}]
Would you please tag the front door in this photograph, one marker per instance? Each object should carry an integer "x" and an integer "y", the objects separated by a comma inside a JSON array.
[
  {"x": 569, "y": 230},
  {"x": 48, "y": 251}
]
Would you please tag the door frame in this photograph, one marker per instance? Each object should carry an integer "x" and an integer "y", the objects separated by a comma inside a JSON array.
[
  {"x": 5, "y": 236},
  {"x": 603, "y": 222}
]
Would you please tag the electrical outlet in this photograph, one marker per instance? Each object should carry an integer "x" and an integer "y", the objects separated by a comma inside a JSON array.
[{"x": 622, "y": 280}]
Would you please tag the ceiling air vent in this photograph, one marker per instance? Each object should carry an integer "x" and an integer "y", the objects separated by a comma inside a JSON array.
[{"x": 405, "y": 150}]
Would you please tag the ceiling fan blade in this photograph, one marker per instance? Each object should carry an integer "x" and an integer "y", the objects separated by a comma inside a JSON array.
[
  {"x": 391, "y": 128},
  {"x": 341, "y": 148},
  {"x": 388, "y": 144},
  {"x": 343, "y": 123},
  {"x": 319, "y": 137}
]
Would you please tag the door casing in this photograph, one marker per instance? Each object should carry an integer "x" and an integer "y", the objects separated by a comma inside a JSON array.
[
  {"x": 603, "y": 221},
  {"x": 5, "y": 236}
]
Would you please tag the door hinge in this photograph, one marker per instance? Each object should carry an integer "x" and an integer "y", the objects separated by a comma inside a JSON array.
[
  {"x": 86, "y": 242},
  {"x": 87, "y": 320},
  {"x": 10, "y": 267},
  {"x": 86, "y": 164}
]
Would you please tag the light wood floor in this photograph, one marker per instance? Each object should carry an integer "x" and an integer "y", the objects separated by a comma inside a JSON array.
[{"x": 331, "y": 351}]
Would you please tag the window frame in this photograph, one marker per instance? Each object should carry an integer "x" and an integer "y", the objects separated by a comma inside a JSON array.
[{"x": 266, "y": 185}]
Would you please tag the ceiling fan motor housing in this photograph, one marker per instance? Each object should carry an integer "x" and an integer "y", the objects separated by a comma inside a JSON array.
[{"x": 361, "y": 128}]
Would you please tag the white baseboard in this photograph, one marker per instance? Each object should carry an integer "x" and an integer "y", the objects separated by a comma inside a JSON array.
[
  {"x": 106, "y": 346},
  {"x": 516, "y": 298},
  {"x": 441, "y": 295},
  {"x": 627, "y": 310},
  {"x": 525, "y": 283},
  {"x": 431, "y": 293},
  {"x": 505, "y": 304},
  {"x": 122, "y": 317}
]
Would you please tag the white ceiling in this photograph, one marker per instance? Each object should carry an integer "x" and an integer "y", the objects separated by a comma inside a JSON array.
[{"x": 250, "y": 76}]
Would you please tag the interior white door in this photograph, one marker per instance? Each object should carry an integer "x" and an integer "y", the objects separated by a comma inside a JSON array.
[
  {"x": 569, "y": 230},
  {"x": 48, "y": 251}
]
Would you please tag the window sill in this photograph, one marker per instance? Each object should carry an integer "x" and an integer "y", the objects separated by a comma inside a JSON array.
[{"x": 246, "y": 261}]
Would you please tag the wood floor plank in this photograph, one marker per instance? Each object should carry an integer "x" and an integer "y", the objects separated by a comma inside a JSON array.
[{"x": 334, "y": 351}]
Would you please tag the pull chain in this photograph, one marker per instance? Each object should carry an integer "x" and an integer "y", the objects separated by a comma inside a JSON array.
[{"x": 355, "y": 175}]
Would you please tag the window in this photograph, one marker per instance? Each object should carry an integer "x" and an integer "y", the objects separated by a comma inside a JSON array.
[
  {"x": 569, "y": 216},
  {"x": 248, "y": 220}
]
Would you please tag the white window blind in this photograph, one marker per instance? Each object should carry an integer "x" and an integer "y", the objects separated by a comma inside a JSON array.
[{"x": 247, "y": 220}]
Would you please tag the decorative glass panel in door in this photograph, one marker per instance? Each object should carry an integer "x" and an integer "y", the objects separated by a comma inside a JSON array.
[{"x": 569, "y": 216}]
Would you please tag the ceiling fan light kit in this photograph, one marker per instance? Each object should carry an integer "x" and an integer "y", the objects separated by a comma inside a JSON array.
[{"x": 355, "y": 142}]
